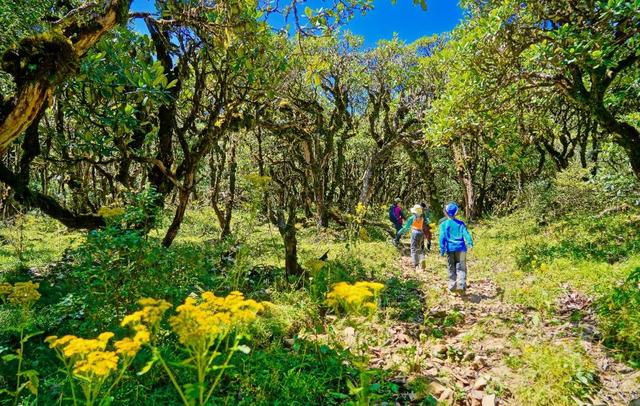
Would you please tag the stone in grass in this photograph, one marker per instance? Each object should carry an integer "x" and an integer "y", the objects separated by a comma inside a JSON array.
[
  {"x": 479, "y": 362},
  {"x": 476, "y": 394},
  {"x": 446, "y": 397},
  {"x": 436, "y": 388},
  {"x": 439, "y": 350},
  {"x": 480, "y": 383},
  {"x": 489, "y": 400}
]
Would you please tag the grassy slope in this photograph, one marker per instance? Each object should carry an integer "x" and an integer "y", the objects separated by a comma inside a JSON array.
[
  {"x": 34, "y": 241},
  {"x": 534, "y": 265}
]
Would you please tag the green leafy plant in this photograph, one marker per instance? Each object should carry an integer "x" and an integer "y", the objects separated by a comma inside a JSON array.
[
  {"x": 22, "y": 296},
  {"x": 359, "y": 301},
  {"x": 619, "y": 316}
]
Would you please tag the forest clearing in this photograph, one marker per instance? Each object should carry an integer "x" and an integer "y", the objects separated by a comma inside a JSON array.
[{"x": 260, "y": 203}]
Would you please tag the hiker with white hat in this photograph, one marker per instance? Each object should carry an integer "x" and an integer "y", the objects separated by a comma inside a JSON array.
[{"x": 415, "y": 223}]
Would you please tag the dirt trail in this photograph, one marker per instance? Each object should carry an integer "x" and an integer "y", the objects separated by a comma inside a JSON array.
[{"x": 462, "y": 345}]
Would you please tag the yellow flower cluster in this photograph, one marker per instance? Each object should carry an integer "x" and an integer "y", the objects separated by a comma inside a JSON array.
[
  {"x": 87, "y": 357},
  {"x": 150, "y": 315},
  {"x": 129, "y": 347},
  {"x": 358, "y": 298},
  {"x": 97, "y": 363},
  {"x": 22, "y": 293},
  {"x": 200, "y": 322}
]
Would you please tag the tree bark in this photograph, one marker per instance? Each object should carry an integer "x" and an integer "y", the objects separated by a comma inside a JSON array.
[
  {"x": 233, "y": 167},
  {"x": 422, "y": 159},
  {"x": 628, "y": 137},
  {"x": 367, "y": 190},
  {"x": 183, "y": 200},
  {"x": 166, "y": 115},
  {"x": 55, "y": 56},
  {"x": 47, "y": 204},
  {"x": 466, "y": 174},
  {"x": 287, "y": 230}
]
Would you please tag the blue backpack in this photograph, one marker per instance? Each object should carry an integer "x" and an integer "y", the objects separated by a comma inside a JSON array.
[{"x": 392, "y": 214}]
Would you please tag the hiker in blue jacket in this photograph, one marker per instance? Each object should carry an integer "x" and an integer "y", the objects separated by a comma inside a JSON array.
[{"x": 454, "y": 241}]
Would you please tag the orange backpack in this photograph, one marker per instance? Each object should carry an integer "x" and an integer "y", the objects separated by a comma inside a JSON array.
[{"x": 417, "y": 223}]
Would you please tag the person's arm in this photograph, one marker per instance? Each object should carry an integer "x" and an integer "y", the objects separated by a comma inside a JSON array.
[
  {"x": 443, "y": 238},
  {"x": 467, "y": 236},
  {"x": 406, "y": 226}
]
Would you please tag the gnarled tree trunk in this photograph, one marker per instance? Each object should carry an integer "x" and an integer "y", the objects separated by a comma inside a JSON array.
[{"x": 55, "y": 56}]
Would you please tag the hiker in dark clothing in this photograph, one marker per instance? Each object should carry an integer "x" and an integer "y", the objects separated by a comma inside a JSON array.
[
  {"x": 426, "y": 226},
  {"x": 395, "y": 214}
]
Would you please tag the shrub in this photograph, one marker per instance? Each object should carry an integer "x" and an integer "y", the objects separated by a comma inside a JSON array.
[
  {"x": 553, "y": 374},
  {"x": 619, "y": 317},
  {"x": 572, "y": 191},
  {"x": 21, "y": 298}
]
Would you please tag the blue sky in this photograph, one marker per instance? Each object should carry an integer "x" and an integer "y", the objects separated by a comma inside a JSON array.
[{"x": 409, "y": 21}]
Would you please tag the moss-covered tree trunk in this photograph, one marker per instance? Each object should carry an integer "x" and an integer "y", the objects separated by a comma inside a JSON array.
[{"x": 42, "y": 61}]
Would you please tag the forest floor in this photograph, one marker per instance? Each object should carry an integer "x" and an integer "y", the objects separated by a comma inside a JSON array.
[
  {"x": 478, "y": 349},
  {"x": 529, "y": 331}
]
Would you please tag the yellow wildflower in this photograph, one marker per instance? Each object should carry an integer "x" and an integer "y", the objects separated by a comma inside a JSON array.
[
  {"x": 201, "y": 323},
  {"x": 127, "y": 347},
  {"x": 151, "y": 313},
  {"x": 24, "y": 293},
  {"x": 132, "y": 318},
  {"x": 105, "y": 337},
  {"x": 55, "y": 342},
  {"x": 97, "y": 363},
  {"x": 82, "y": 346},
  {"x": 356, "y": 298},
  {"x": 370, "y": 307},
  {"x": 375, "y": 287},
  {"x": 142, "y": 335}
]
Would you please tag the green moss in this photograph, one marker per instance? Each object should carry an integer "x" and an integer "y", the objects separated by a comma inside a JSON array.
[{"x": 49, "y": 56}]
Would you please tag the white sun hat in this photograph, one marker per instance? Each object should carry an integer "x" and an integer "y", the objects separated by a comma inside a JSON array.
[{"x": 417, "y": 209}]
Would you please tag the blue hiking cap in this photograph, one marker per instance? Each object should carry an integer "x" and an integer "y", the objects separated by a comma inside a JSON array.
[{"x": 451, "y": 209}]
